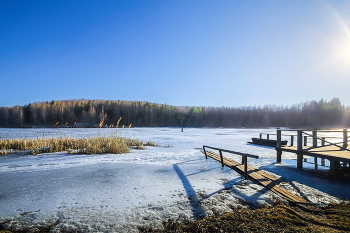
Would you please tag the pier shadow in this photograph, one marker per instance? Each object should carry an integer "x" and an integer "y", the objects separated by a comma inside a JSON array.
[
  {"x": 313, "y": 178},
  {"x": 197, "y": 207}
]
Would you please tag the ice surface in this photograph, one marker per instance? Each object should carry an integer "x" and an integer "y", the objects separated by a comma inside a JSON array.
[{"x": 128, "y": 192}]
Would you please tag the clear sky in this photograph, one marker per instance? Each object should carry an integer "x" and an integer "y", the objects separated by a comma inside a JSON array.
[{"x": 185, "y": 52}]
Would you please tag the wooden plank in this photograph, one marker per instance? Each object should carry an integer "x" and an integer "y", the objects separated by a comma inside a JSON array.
[
  {"x": 327, "y": 152},
  {"x": 259, "y": 176}
]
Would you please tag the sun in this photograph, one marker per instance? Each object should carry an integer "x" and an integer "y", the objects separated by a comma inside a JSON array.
[
  {"x": 343, "y": 49},
  {"x": 339, "y": 41},
  {"x": 347, "y": 53},
  {"x": 344, "y": 54}
]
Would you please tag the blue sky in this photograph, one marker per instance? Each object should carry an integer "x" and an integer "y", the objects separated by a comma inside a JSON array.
[{"x": 188, "y": 52}]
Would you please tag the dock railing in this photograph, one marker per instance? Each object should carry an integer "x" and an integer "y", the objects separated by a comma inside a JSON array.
[
  {"x": 302, "y": 136},
  {"x": 244, "y": 157},
  {"x": 313, "y": 135}
]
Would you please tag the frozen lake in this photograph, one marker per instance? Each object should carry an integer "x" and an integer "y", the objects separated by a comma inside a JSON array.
[{"x": 127, "y": 192}]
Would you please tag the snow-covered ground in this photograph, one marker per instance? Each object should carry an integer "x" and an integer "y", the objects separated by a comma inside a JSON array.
[{"x": 128, "y": 192}]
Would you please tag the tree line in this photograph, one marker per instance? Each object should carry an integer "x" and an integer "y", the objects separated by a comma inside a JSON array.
[{"x": 108, "y": 113}]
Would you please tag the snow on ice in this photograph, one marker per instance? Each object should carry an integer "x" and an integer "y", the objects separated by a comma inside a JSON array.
[{"x": 144, "y": 188}]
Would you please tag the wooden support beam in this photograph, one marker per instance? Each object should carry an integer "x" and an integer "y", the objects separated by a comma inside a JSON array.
[
  {"x": 278, "y": 146},
  {"x": 299, "y": 149},
  {"x": 206, "y": 156},
  {"x": 334, "y": 168},
  {"x": 315, "y": 162},
  {"x": 299, "y": 160},
  {"x": 279, "y": 156},
  {"x": 291, "y": 140}
]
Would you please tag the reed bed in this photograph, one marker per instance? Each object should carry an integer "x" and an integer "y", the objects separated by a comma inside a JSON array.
[{"x": 94, "y": 145}]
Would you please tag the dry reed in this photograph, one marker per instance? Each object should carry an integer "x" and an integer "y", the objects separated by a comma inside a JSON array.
[
  {"x": 117, "y": 124},
  {"x": 95, "y": 145}
]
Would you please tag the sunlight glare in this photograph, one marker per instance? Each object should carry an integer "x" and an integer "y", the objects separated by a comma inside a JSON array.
[
  {"x": 340, "y": 44},
  {"x": 343, "y": 54}
]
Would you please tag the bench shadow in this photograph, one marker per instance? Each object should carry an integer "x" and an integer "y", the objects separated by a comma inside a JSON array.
[{"x": 197, "y": 207}]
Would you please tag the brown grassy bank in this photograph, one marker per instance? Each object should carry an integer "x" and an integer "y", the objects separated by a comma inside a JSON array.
[{"x": 279, "y": 218}]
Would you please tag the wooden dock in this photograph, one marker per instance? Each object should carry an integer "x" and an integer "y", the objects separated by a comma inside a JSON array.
[
  {"x": 338, "y": 155},
  {"x": 329, "y": 152},
  {"x": 261, "y": 177}
]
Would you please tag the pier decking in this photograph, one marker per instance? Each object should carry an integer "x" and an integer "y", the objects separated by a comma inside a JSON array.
[
  {"x": 338, "y": 153},
  {"x": 327, "y": 152}
]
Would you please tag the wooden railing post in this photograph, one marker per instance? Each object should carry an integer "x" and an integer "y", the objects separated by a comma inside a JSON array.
[
  {"x": 260, "y": 135},
  {"x": 268, "y": 136},
  {"x": 279, "y": 138},
  {"x": 314, "y": 138},
  {"x": 305, "y": 140},
  {"x": 345, "y": 138},
  {"x": 291, "y": 140},
  {"x": 206, "y": 156},
  {"x": 222, "y": 159},
  {"x": 323, "y": 142},
  {"x": 278, "y": 146},
  {"x": 299, "y": 140},
  {"x": 299, "y": 149}
]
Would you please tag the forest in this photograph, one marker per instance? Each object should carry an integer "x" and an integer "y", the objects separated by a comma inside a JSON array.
[{"x": 110, "y": 113}]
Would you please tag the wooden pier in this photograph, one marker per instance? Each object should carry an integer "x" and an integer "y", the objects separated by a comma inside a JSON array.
[
  {"x": 253, "y": 173},
  {"x": 338, "y": 153}
]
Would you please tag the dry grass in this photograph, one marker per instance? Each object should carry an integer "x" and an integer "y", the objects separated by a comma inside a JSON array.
[
  {"x": 95, "y": 145},
  {"x": 279, "y": 218}
]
